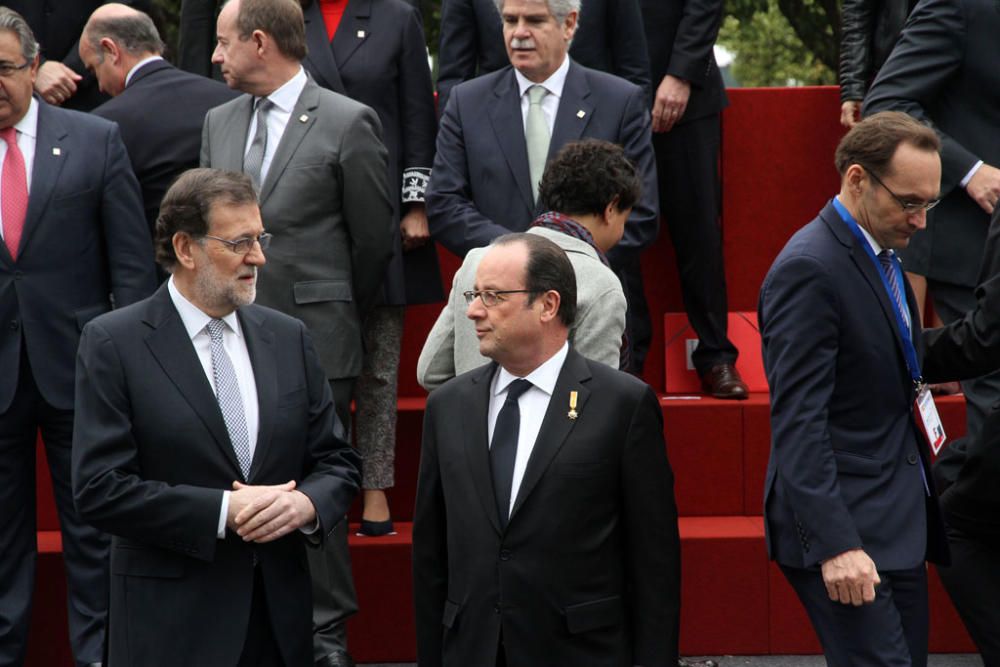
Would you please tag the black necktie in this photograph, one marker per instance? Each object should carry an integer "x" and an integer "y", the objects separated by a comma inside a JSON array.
[{"x": 503, "y": 449}]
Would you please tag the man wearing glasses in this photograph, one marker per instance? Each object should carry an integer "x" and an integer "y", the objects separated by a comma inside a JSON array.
[
  {"x": 850, "y": 509},
  {"x": 207, "y": 445}
]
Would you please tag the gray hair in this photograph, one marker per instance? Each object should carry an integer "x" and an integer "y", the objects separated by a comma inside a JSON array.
[
  {"x": 559, "y": 8},
  {"x": 135, "y": 34},
  {"x": 15, "y": 23}
]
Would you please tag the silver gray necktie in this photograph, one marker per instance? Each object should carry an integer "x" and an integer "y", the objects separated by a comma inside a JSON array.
[
  {"x": 227, "y": 392},
  {"x": 253, "y": 161},
  {"x": 536, "y": 135}
]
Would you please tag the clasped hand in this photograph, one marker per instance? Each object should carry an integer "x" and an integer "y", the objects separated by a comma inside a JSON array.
[{"x": 266, "y": 513}]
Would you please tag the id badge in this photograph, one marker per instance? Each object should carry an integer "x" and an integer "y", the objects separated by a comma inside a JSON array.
[{"x": 929, "y": 420}]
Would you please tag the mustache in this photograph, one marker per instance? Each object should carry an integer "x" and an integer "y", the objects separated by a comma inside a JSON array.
[{"x": 518, "y": 43}]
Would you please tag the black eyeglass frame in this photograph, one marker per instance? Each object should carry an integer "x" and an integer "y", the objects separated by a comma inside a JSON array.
[
  {"x": 244, "y": 245},
  {"x": 909, "y": 207},
  {"x": 491, "y": 297}
]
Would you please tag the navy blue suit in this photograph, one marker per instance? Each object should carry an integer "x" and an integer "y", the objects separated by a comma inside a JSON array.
[
  {"x": 480, "y": 185},
  {"x": 84, "y": 242},
  {"x": 846, "y": 457}
]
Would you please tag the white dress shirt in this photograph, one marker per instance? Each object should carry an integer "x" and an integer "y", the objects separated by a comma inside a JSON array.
[
  {"x": 27, "y": 134},
  {"x": 532, "y": 404},
  {"x": 550, "y": 103},
  {"x": 194, "y": 320},
  {"x": 284, "y": 99}
]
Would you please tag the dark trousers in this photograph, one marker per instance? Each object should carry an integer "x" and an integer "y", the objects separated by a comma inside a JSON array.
[
  {"x": 334, "y": 597},
  {"x": 687, "y": 164},
  {"x": 973, "y": 582},
  {"x": 890, "y": 632},
  {"x": 260, "y": 648},
  {"x": 638, "y": 327},
  {"x": 85, "y": 550}
]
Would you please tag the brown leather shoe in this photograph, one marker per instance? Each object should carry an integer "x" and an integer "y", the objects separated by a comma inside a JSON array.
[{"x": 724, "y": 381}]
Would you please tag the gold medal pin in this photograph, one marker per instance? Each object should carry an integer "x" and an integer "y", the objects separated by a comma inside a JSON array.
[{"x": 572, "y": 414}]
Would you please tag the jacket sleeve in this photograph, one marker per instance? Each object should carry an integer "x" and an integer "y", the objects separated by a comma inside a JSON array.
[
  {"x": 419, "y": 121},
  {"x": 629, "y": 57},
  {"x": 857, "y": 23},
  {"x": 636, "y": 140},
  {"x": 458, "y": 50},
  {"x": 693, "y": 55}
]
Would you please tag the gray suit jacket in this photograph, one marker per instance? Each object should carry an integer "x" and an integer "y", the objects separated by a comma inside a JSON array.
[
  {"x": 326, "y": 200},
  {"x": 452, "y": 347}
]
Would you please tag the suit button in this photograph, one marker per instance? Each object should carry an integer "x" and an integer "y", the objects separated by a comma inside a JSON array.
[
  {"x": 14, "y": 325},
  {"x": 18, "y": 275},
  {"x": 912, "y": 459},
  {"x": 496, "y": 609},
  {"x": 505, "y": 554}
]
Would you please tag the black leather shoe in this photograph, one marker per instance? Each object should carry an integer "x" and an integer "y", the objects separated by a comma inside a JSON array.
[
  {"x": 724, "y": 381},
  {"x": 339, "y": 658},
  {"x": 376, "y": 528}
]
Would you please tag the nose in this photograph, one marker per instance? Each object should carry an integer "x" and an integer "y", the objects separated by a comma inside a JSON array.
[
  {"x": 919, "y": 219},
  {"x": 521, "y": 29},
  {"x": 217, "y": 55},
  {"x": 476, "y": 309},
  {"x": 256, "y": 255}
]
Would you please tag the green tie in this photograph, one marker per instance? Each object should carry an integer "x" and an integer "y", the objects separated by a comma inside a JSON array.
[{"x": 536, "y": 135}]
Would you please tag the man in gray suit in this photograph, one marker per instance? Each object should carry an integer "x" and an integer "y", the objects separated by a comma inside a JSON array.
[{"x": 319, "y": 164}]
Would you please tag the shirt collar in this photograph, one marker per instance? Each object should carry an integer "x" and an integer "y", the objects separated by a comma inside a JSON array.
[
  {"x": 135, "y": 68},
  {"x": 28, "y": 125},
  {"x": 193, "y": 317},
  {"x": 554, "y": 84},
  {"x": 288, "y": 94},
  {"x": 846, "y": 215},
  {"x": 544, "y": 377}
]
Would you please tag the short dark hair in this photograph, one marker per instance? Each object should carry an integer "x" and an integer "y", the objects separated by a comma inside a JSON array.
[
  {"x": 872, "y": 142},
  {"x": 15, "y": 23},
  {"x": 548, "y": 268},
  {"x": 188, "y": 202},
  {"x": 587, "y": 175},
  {"x": 281, "y": 19},
  {"x": 135, "y": 34}
]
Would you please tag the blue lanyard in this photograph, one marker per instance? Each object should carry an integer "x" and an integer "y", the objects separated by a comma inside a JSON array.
[{"x": 909, "y": 352}]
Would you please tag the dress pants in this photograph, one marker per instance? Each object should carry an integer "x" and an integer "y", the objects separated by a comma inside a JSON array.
[
  {"x": 890, "y": 632},
  {"x": 334, "y": 597},
  {"x": 260, "y": 648},
  {"x": 973, "y": 583},
  {"x": 85, "y": 550},
  {"x": 687, "y": 165}
]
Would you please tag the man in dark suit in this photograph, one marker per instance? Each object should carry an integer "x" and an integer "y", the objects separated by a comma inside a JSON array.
[
  {"x": 320, "y": 166},
  {"x": 850, "y": 510},
  {"x": 207, "y": 444},
  {"x": 545, "y": 529},
  {"x": 493, "y": 142},
  {"x": 609, "y": 38},
  {"x": 122, "y": 48},
  {"x": 73, "y": 244},
  {"x": 937, "y": 73},
  {"x": 686, "y": 133}
]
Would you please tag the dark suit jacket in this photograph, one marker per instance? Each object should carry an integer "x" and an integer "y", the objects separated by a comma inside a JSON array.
[
  {"x": 386, "y": 69},
  {"x": 942, "y": 72},
  {"x": 586, "y": 572},
  {"x": 480, "y": 185},
  {"x": 160, "y": 114},
  {"x": 151, "y": 458},
  {"x": 681, "y": 36},
  {"x": 846, "y": 458},
  {"x": 326, "y": 201},
  {"x": 84, "y": 242},
  {"x": 968, "y": 348},
  {"x": 869, "y": 29},
  {"x": 609, "y": 38}
]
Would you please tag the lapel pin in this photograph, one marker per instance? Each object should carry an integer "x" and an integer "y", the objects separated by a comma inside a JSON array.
[
  {"x": 57, "y": 151},
  {"x": 303, "y": 118},
  {"x": 581, "y": 113},
  {"x": 572, "y": 414},
  {"x": 361, "y": 34}
]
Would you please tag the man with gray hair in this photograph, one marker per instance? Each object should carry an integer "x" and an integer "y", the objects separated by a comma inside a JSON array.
[
  {"x": 122, "y": 47},
  {"x": 72, "y": 243}
]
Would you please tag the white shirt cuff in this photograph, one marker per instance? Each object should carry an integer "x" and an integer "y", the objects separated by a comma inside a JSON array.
[
  {"x": 972, "y": 172},
  {"x": 223, "y": 513}
]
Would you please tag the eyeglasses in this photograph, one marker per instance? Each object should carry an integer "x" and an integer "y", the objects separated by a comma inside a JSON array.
[
  {"x": 491, "y": 297},
  {"x": 8, "y": 69},
  {"x": 244, "y": 245},
  {"x": 909, "y": 207}
]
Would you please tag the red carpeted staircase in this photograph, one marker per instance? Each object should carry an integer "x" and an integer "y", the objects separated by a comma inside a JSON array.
[{"x": 777, "y": 166}]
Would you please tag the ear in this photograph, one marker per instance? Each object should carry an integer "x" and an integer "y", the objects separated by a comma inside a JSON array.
[
  {"x": 260, "y": 40},
  {"x": 854, "y": 177},
  {"x": 569, "y": 27},
  {"x": 184, "y": 249},
  {"x": 110, "y": 50},
  {"x": 550, "y": 305},
  {"x": 611, "y": 209}
]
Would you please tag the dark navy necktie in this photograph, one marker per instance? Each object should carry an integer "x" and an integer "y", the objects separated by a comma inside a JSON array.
[{"x": 503, "y": 449}]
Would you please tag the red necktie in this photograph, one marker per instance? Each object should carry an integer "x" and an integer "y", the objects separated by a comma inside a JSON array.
[{"x": 14, "y": 193}]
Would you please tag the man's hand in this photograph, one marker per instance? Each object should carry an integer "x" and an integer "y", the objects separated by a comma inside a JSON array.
[
  {"x": 984, "y": 187},
  {"x": 851, "y": 578},
  {"x": 850, "y": 113},
  {"x": 413, "y": 227},
  {"x": 670, "y": 102},
  {"x": 55, "y": 82},
  {"x": 265, "y": 513}
]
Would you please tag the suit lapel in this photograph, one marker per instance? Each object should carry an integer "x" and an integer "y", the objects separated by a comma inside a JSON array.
[
  {"x": 299, "y": 122},
  {"x": 260, "y": 345},
  {"x": 505, "y": 116},
  {"x": 575, "y": 110},
  {"x": 229, "y": 135},
  {"x": 475, "y": 417},
  {"x": 170, "y": 345},
  {"x": 353, "y": 31},
  {"x": 556, "y": 426},
  {"x": 320, "y": 57},
  {"x": 51, "y": 152}
]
